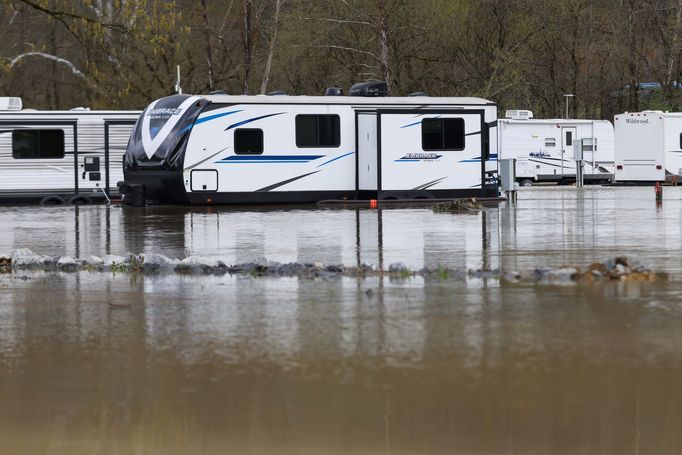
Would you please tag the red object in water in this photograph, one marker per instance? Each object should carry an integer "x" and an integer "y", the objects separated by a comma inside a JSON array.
[{"x": 658, "y": 189}]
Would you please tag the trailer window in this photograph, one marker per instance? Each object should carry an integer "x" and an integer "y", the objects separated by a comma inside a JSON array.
[
  {"x": 318, "y": 131},
  {"x": 550, "y": 142},
  {"x": 32, "y": 144},
  {"x": 681, "y": 141},
  {"x": 248, "y": 141},
  {"x": 443, "y": 134}
]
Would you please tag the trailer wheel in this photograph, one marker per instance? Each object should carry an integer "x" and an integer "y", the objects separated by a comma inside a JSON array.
[
  {"x": 52, "y": 200},
  {"x": 526, "y": 182},
  {"x": 79, "y": 199}
]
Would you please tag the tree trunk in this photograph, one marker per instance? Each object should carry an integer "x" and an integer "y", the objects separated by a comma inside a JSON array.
[
  {"x": 247, "y": 36},
  {"x": 383, "y": 41},
  {"x": 207, "y": 38},
  {"x": 673, "y": 51},
  {"x": 271, "y": 50}
]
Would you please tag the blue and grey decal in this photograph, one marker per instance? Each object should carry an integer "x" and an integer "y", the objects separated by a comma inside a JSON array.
[{"x": 418, "y": 156}]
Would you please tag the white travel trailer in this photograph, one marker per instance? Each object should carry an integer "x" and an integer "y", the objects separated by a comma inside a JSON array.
[
  {"x": 223, "y": 149},
  {"x": 648, "y": 146},
  {"x": 543, "y": 148},
  {"x": 61, "y": 156}
]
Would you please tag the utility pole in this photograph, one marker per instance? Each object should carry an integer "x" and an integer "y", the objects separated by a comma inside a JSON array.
[{"x": 567, "y": 96}]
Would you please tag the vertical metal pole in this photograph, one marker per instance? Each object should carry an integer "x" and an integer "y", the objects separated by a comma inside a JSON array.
[{"x": 106, "y": 159}]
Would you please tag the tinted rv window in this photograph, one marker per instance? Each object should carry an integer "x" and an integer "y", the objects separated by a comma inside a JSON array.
[
  {"x": 443, "y": 134},
  {"x": 318, "y": 131},
  {"x": 550, "y": 142},
  {"x": 569, "y": 138},
  {"x": 681, "y": 141},
  {"x": 248, "y": 141},
  {"x": 31, "y": 144}
]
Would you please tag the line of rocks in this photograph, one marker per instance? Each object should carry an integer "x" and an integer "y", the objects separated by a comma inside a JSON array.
[
  {"x": 467, "y": 205},
  {"x": 620, "y": 268}
]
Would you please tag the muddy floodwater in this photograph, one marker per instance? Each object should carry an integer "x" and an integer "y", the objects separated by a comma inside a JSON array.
[{"x": 95, "y": 362}]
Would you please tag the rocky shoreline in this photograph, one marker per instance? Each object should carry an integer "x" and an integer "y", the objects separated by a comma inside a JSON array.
[{"x": 25, "y": 260}]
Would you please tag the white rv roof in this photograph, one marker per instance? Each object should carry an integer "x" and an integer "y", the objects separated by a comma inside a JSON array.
[
  {"x": 645, "y": 113},
  {"x": 353, "y": 100},
  {"x": 70, "y": 113},
  {"x": 551, "y": 120}
]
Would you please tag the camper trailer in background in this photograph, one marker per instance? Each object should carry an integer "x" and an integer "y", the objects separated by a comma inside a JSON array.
[
  {"x": 543, "y": 148},
  {"x": 55, "y": 157},
  {"x": 225, "y": 149},
  {"x": 648, "y": 146}
]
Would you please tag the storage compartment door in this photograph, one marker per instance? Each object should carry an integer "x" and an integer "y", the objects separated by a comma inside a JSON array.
[
  {"x": 428, "y": 151},
  {"x": 204, "y": 180}
]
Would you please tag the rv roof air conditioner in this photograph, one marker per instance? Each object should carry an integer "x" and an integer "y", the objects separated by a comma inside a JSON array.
[
  {"x": 371, "y": 88},
  {"x": 217, "y": 92},
  {"x": 10, "y": 103},
  {"x": 417, "y": 94},
  {"x": 277, "y": 93},
  {"x": 333, "y": 91},
  {"x": 519, "y": 114}
]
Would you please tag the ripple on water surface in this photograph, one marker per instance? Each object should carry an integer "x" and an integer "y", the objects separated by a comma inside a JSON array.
[{"x": 118, "y": 363}]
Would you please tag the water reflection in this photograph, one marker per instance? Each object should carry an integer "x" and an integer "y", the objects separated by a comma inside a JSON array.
[
  {"x": 546, "y": 227},
  {"x": 178, "y": 364}
]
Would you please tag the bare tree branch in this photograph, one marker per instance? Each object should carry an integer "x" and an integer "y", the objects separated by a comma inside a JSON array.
[{"x": 16, "y": 60}]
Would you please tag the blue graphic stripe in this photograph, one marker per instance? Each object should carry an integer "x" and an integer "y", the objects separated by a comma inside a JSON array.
[
  {"x": 411, "y": 124},
  {"x": 213, "y": 117},
  {"x": 206, "y": 119},
  {"x": 240, "y": 159},
  {"x": 244, "y": 122},
  {"x": 417, "y": 122},
  {"x": 337, "y": 158}
]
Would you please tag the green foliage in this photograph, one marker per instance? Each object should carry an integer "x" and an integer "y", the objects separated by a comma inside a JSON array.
[{"x": 519, "y": 53}]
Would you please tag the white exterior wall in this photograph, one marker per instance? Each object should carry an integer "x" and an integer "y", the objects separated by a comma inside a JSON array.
[
  {"x": 527, "y": 141},
  {"x": 58, "y": 175},
  {"x": 211, "y": 148},
  {"x": 640, "y": 146},
  {"x": 210, "y": 143},
  {"x": 672, "y": 131}
]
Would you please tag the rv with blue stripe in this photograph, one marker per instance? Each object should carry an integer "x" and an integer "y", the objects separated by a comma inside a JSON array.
[{"x": 240, "y": 149}]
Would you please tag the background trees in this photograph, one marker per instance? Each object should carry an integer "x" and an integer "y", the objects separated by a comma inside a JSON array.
[{"x": 613, "y": 55}]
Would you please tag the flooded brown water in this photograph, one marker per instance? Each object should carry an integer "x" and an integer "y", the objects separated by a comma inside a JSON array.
[{"x": 102, "y": 363}]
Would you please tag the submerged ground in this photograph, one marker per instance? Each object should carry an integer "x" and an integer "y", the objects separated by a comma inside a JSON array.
[{"x": 120, "y": 363}]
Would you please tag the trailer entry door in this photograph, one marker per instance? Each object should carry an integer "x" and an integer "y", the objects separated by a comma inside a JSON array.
[{"x": 567, "y": 137}]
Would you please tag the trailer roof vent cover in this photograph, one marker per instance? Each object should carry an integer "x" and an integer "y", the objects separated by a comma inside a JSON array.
[
  {"x": 277, "y": 93},
  {"x": 519, "y": 114},
  {"x": 417, "y": 94},
  {"x": 217, "y": 92},
  {"x": 371, "y": 88},
  {"x": 333, "y": 91},
  {"x": 10, "y": 103}
]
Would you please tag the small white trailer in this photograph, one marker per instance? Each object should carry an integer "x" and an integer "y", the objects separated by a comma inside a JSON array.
[
  {"x": 225, "y": 149},
  {"x": 543, "y": 148},
  {"x": 648, "y": 146},
  {"x": 61, "y": 156}
]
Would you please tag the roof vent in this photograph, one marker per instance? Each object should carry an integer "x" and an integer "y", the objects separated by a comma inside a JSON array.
[
  {"x": 10, "y": 103},
  {"x": 333, "y": 91},
  {"x": 519, "y": 114},
  {"x": 277, "y": 93},
  {"x": 370, "y": 88},
  {"x": 217, "y": 92},
  {"x": 417, "y": 94}
]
